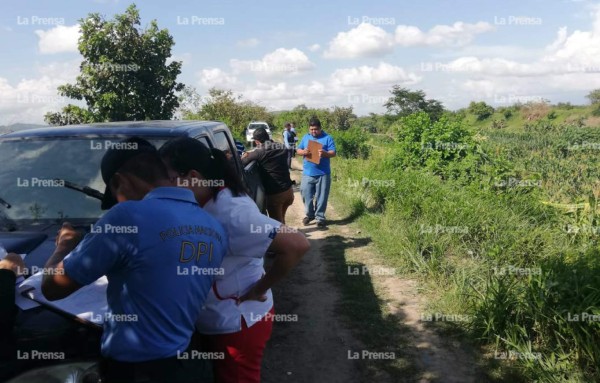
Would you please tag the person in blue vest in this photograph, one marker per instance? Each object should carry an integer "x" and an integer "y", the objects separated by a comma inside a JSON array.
[
  {"x": 316, "y": 178},
  {"x": 160, "y": 252}
]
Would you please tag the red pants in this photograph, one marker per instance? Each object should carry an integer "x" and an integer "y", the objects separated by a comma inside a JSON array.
[{"x": 243, "y": 351}]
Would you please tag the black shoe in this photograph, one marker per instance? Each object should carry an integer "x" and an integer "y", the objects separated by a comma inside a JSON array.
[
  {"x": 306, "y": 220},
  {"x": 321, "y": 224}
]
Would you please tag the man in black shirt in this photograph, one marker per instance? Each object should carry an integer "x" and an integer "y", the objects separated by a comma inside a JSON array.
[{"x": 274, "y": 173}]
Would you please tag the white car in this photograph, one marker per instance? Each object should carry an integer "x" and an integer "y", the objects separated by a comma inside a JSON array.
[{"x": 255, "y": 125}]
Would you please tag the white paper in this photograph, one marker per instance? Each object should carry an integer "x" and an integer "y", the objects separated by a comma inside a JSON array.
[{"x": 88, "y": 303}]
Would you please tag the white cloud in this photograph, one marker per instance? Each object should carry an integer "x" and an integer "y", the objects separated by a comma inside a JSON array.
[
  {"x": 367, "y": 76},
  {"x": 365, "y": 40},
  {"x": 217, "y": 77},
  {"x": 248, "y": 43},
  {"x": 28, "y": 100},
  {"x": 58, "y": 39},
  {"x": 279, "y": 63}
]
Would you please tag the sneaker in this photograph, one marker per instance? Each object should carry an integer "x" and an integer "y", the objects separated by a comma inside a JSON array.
[
  {"x": 306, "y": 220},
  {"x": 321, "y": 224}
]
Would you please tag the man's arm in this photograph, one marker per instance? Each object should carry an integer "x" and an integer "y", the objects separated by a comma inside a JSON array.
[
  {"x": 289, "y": 246},
  {"x": 251, "y": 156},
  {"x": 56, "y": 284}
]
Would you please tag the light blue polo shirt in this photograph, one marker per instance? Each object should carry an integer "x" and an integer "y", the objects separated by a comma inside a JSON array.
[
  {"x": 312, "y": 169},
  {"x": 160, "y": 256}
]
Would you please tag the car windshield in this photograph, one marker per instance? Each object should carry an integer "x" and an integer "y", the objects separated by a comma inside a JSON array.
[
  {"x": 255, "y": 126},
  {"x": 31, "y": 170}
]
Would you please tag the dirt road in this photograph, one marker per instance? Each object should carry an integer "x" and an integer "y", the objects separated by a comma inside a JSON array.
[{"x": 312, "y": 343}]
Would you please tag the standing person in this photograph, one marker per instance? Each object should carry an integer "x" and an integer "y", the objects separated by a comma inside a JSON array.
[
  {"x": 160, "y": 264},
  {"x": 316, "y": 178},
  {"x": 274, "y": 173},
  {"x": 289, "y": 140},
  {"x": 237, "y": 317}
]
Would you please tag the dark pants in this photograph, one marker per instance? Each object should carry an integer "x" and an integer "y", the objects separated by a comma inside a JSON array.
[
  {"x": 174, "y": 369},
  {"x": 290, "y": 155}
]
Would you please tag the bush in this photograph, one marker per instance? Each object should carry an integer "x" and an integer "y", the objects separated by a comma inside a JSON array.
[
  {"x": 481, "y": 110},
  {"x": 352, "y": 143},
  {"x": 443, "y": 147}
]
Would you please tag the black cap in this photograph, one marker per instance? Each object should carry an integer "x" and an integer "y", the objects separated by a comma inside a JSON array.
[
  {"x": 115, "y": 157},
  {"x": 261, "y": 135}
]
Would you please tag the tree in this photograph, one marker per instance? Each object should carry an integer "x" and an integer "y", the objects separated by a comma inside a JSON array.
[
  {"x": 481, "y": 110},
  {"x": 341, "y": 118},
  {"x": 223, "y": 105},
  {"x": 124, "y": 75},
  {"x": 594, "y": 96},
  {"x": 405, "y": 102}
]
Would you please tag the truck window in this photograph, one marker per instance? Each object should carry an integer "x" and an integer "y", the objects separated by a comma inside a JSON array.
[{"x": 221, "y": 142}]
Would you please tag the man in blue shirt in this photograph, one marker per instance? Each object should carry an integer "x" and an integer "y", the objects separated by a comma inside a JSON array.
[
  {"x": 316, "y": 178},
  {"x": 160, "y": 252}
]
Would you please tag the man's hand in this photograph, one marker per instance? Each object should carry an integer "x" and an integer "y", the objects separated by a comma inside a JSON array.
[
  {"x": 13, "y": 262},
  {"x": 302, "y": 152},
  {"x": 68, "y": 238},
  {"x": 253, "y": 295},
  {"x": 322, "y": 153}
]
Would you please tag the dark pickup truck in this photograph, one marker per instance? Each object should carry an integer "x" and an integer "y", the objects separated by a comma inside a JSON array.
[{"x": 52, "y": 175}]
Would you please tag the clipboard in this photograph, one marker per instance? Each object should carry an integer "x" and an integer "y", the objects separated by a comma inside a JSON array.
[
  {"x": 313, "y": 151},
  {"x": 87, "y": 305}
]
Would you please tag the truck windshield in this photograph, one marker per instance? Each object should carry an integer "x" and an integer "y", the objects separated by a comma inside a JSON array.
[{"x": 33, "y": 172}]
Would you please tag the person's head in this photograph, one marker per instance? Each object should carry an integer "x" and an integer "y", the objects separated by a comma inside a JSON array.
[
  {"x": 260, "y": 136},
  {"x": 130, "y": 169},
  {"x": 202, "y": 170},
  {"x": 314, "y": 127},
  {"x": 288, "y": 126}
]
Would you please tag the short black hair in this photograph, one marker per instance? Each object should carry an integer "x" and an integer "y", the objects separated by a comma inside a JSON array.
[
  {"x": 148, "y": 167},
  {"x": 261, "y": 135},
  {"x": 314, "y": 122}
]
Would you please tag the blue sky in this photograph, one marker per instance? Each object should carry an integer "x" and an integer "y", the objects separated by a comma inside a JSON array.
[{"x": 324, "y": 53}]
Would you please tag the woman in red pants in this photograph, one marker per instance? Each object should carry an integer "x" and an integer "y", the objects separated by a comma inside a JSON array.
[{"x": 237, "y": 318}]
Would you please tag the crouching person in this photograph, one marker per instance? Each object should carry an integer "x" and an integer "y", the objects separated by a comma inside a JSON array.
[{"x": 155, "y": 265}]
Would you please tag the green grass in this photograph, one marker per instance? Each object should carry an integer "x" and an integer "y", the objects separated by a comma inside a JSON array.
[{"x": 502, "y": 256}]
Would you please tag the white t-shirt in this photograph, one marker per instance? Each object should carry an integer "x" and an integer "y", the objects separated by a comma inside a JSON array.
[{"x": 250, "y": 234}]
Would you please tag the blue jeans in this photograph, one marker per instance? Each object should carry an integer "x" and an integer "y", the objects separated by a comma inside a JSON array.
[{"x": 315, "y": 185}]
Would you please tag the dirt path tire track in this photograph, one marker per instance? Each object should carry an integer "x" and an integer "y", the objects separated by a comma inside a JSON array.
[{"x": 313, "y": 349}]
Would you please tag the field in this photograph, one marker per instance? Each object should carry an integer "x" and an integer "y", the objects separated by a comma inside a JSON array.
[{"x": 499, "y": 222}]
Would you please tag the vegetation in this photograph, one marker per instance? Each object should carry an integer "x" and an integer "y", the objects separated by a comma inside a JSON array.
[
  {"x": 504, "y": 217},
  {"x": 124, "y": 74}
]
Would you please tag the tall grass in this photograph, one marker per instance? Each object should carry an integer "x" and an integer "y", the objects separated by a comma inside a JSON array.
[{"x": 500, "y": 255}]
